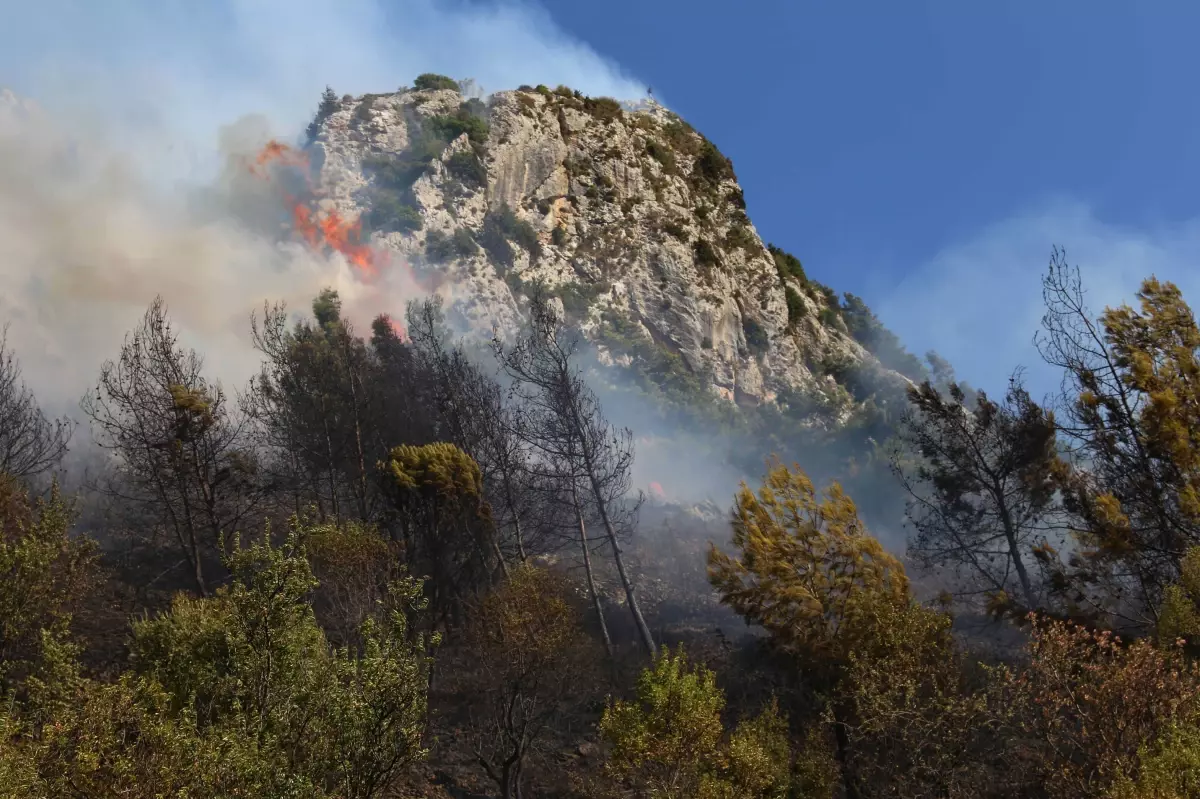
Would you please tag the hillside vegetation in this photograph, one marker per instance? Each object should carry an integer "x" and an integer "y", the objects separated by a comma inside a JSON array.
[{"x": 417, "y": 565}]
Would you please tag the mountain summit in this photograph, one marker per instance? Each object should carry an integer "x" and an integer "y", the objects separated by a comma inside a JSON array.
[{"x": 628, "y": 215}]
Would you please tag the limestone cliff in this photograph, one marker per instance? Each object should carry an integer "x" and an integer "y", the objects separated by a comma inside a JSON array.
[{"x": 626, "y": 213}]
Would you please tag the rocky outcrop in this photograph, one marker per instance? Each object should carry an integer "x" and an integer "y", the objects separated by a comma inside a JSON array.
[{"x": 630, "y": 216}]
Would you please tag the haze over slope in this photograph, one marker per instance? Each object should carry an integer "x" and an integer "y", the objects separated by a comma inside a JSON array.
[{"x": 116, "y": 178}]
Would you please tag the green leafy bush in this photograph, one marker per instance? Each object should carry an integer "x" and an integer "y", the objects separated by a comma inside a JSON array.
[
  {"x": 440, "y": 248},
  {"x": 795, "y": 305},
  {"x": 362, "y": 111},
  {"x": 739, "y": 237},
  {"x": 682, "y": 137},
  {"x": 329, "y": 104},
  {"x": 467, "y": 167},
  {"x": 466, "y": 119},
  {"x": 431, "y": 82},
  {"x": 500, "y": 227},
  {"x": 885, "y": 345},
  {"x": 787, "y": 264},
  {"x": 577, "y": 298},
  {"x": 711, "y": 165},
  {"x": 395, "y": 173},
  {"x": 676, "y": 229},
  {"x": 756, "y": 337},
  {"x": 671, "y": 742},
  {"x": 661, "y": 372},
  {"x": 662, "y": 154},
  {"x": 604, "y": 109},
  {"x": 706, "y": 254},
  {"x": 558, "y": 236},
  {"x": 390, "y": 213}
]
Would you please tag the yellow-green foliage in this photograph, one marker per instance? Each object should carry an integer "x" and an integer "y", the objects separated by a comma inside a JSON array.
[
  {"x": 805, "y": 567},
  {"x": 920, "y": 728},
  {"x": 42, "y": 571},
  {"x": 526, "y": 623},
  {"x": 1169, "y": 769},
  {"x": 670, "y": 742},
  {"x": 1179, "y": 615},
  {"x": 442, "y": 470},
  {"x": 1136, "y": 416},
  {"x": 237, "y": 694}
]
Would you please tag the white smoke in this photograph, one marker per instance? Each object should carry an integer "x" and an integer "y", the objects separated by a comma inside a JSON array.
[{"x": 123, "y": 176}]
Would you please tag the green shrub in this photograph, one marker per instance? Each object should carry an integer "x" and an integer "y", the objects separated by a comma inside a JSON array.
[
  {"x": 493, "y": 242},
  {"x": 604, "y": 109},
  {"x": 465, "y": 120},
  {"x": 440, "y": 248},
  {"x": 756, "y": 337},
  {"x": 740, "y": 238},
  {"x": 655, "y": 369},
  {"x": 558, "y": 236},
  {"x": 706, "y": 253},
  {"x": 390, "y": 213},
  {"x": 787, "y": 264},
  {"x": 737, "y": 199},
  {"x": 682, "y": 138},
  {"x": 661, "y": 153},
  {"x": 362, "y": 111},
  {"x": 394, "y": 173},
  {"x": 467, "y": 167},
  {"x": 578, "y": 298},
  {"x": 501, "y": 226},
  {"x": 676, "y": 229},
  {"x": 431, "y": 82},
  {"x": 711, "y": 165},
  {"x": 329, "y": 104},
  {"x": 795, "y": 305}
]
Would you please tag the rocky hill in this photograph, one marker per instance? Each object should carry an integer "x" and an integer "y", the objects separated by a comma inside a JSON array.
[{"x": 633, "y": 219}]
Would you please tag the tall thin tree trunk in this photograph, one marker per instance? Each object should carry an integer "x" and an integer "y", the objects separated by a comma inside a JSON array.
[
  {"x": 512, "y": 508},
  {"x": 362, "y": 461},
  {"x": 337, "y": 511},
  {"x": 587, "y": 569},
  {"x": 630, "y": 594},
  {"x": 1014, "y": 550},
  {"x": 842, "y": 755}
]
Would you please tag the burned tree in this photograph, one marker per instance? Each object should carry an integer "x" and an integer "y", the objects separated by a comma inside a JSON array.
[
  {"x": 474, "y": 415},
  {"x": 330, "y": 406},
  {"x": 181, "y": 451},
  {"x": 30, "y": 443},
  {"x": 1129, "y": 416},
  {"x": 981, "y": 488},
  {"x": 568, "y": 426}
]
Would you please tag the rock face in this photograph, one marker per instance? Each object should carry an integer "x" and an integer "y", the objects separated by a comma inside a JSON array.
[{"x": 627, "y": 214}]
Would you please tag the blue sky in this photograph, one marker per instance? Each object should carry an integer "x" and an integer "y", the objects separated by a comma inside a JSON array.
[
  {"x": 887, "y": 144},
  {"x": 923, "y": 155}
]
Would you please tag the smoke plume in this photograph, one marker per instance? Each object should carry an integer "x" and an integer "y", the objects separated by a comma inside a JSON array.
[{"x": 128, "y": 157}]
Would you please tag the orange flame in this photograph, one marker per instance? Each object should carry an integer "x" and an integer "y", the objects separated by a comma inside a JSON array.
[
  {"x": 397, "y": 328},
  {"x": 320, "y": 231},
  {"x": 657, "y": 490},
  {"x": 338, "y": 234},
  {"x": 277, "y": 151}
]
